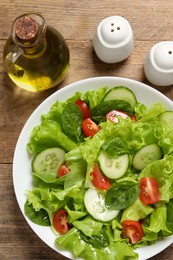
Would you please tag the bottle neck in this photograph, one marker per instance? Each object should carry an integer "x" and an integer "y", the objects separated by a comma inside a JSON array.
[
  {"x": 34, "y": 50},
  {"x": 29, "y": 34}
]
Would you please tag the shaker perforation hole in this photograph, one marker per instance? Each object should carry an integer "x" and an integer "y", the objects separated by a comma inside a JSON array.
[
  {"x": 117, "y": 28},
  {"x": 170, "y": 52}
]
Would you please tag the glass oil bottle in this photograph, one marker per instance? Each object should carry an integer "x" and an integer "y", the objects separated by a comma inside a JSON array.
[{"x": 36, "y": 56}]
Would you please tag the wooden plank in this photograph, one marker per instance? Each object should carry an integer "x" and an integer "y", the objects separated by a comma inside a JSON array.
[{"x": 77, "y": 21}]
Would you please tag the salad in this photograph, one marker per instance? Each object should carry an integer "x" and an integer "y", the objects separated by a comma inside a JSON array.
[{"x": 102, "y": 173}]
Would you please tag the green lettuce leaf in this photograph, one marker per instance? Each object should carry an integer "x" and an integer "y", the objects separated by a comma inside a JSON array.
[
  {"x": 158, "y": 221},
  {"x": 89, "y": 226},
  {"x": 170, "y": 215},
  {"x": 57, "y": 108},
  {"x": 55, "y": 112},
  {"x": 74, "y": 215},
  {"x": 144, "y": 114},
  {"x": 49, "y": 134},
  {"x": 165, "y": 139},
  {"x": 47, "y": 177},
  {"x": 77, "y": 169},
  {"x": 136, "y": 211},
  {"x": 72, "y": 241},
  {"x": 94, "y": 97},
  {"x": 50, "y": 204},
  {"x": 71, "y": 192}
]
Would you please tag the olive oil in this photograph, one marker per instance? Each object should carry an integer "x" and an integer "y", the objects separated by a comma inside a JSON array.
[{"x": 36, "y": 57}]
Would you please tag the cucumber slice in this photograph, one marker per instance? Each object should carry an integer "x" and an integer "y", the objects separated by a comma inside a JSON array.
[
  {"x": 113, "y": 168},
  {"x": 166, "y": 119},
  {"x": 48, "y": 160},
  {"x": 121, "y": 93},
  {"x": 146, "y": 155},
  {"x": 95, "y": 204}
]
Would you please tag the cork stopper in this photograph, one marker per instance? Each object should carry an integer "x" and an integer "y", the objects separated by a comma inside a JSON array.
[{"x": 26, "y": 28}]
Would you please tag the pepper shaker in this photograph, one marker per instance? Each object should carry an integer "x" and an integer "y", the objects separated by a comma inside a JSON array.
[
  {"x": 158, "y": 66},
  {"x": 113, "y": 40}
]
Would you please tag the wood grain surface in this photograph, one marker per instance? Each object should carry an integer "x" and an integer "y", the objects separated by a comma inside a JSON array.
[{"x": 151, "y": 21}]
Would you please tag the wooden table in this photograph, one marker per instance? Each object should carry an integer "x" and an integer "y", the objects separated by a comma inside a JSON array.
[{"x": 152, "y": 21}]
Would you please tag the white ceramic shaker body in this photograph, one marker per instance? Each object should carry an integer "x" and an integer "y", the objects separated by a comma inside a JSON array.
[
  {"x": 113, "y": 40},
  {"x": 158, "y": 66}
]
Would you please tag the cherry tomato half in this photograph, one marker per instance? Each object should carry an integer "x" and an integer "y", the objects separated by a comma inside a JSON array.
[
  {"x": 99, "y": 180},
  {"x": 89, "y": 127},
  {"x": 60, "y": 221},
  {"x": 63, "y": 170},
  {"x": 84, "y": 108},
  {"x": 149, "y": 190},
  {"x": 132, "y": 230}
]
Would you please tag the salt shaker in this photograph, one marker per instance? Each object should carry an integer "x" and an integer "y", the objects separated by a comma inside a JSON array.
[
  {"x": 113, "y": 40},
  {"x": 158, "y": 66}
]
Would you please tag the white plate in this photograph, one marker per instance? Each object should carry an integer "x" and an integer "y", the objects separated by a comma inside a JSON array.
[{"x": 22, "y": 179}]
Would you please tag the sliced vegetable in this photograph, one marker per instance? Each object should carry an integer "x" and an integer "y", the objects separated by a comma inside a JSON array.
[
  {"x": 99, "y": 180},
  {"x": 63, "y": 170},
  {"x": 121, "y": 93},
  {"x": 113, "y": 168},
  {"x": 132, "y": 230},
  {"x": 114, "y": 114},
  {"x": 146, "y": 155},
  {"x": 89, "y": 127},
  {"x": 84, "y": 108},
  {"x": 149, "y": 190},
  {"x": 166, "y": 119},
  {"x": 48, "y": 160},
  {"x": 60, "y": 223},
  {"x": 95, "y": 204}
]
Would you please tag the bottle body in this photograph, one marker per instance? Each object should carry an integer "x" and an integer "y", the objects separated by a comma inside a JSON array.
[{"x": 40, "y": 67}]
